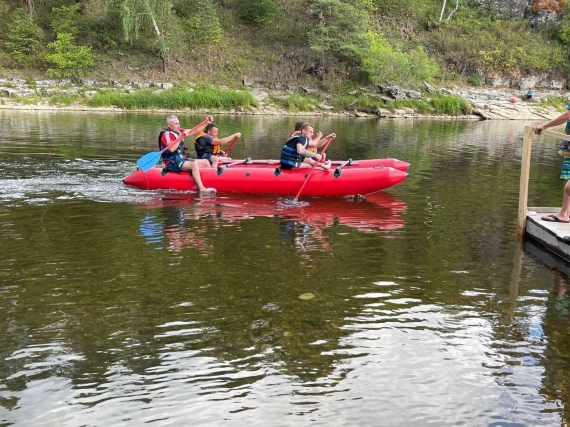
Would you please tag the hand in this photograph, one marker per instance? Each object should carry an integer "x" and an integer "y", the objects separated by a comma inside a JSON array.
[
  {"x": 210, "y": 118},
  {"x": 332, "y": 135},
  {"x": 538, "y": 130},
  {"x": 186, "y": 132},
  {"x": 319, "y": 133},
  {"x": 237, "y": 134}
]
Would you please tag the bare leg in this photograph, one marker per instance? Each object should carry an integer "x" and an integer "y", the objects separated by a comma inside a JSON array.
[
  {"x": 564, "y": 212},
  {"x": 193, "y": 167},
  {"x": 310, "y": 162},
  {"x": 215, "y": 160}
]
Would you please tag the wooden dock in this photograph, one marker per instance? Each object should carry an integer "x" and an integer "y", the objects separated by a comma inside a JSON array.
[{"x": 553, "y": 236}]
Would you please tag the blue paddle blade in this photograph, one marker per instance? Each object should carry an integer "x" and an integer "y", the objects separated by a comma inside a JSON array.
[{"x": 148, "y": 161}]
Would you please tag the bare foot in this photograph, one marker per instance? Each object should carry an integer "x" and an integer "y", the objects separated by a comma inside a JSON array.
[
  {"x": 208, "y": 190},
  {"x": 327, "y": 165}
]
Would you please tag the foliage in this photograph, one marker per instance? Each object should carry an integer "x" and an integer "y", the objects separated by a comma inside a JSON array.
[
  {"x": 64, "y": 21},
  {"x": 341, "y": 29},
  {"x": 24, "y": 39},
  {"x": 256, "y": 11},
  {"x": 295, "y": 103},
  {"x": 451, "y": 105},
  {"x": 204, "y": 25},
  {"x": 69, "y": 59},
  {"x": 153, "y": 16},
  {"x": 199, "y": 98},
  {"x": 387, "y": 65},
  {"x": 476, "y": 41}
]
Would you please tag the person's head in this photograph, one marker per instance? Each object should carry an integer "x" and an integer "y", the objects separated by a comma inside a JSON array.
[
  {"x": 173, "y": 123},
  {"x": 307, "y": 130},
  {"x": 299, "y": 125},
  {"x": 211, "y": 129}
]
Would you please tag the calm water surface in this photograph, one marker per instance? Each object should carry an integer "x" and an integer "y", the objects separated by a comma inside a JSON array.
[{"x": 414, "y": 306}]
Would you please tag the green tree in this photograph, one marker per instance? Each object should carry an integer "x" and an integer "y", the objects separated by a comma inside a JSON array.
[
  {"x": 256, "y": 11},
  {"x": 64, "y": 19},
  {"x": 69, "y": 59},
  {"x": 341, "y": 28},
  {"x": 387, "y": 65},
  {"x": 25, "y": 39},
  {"x": 138, "y": 15},
  {"x": 204, "y": 26}
]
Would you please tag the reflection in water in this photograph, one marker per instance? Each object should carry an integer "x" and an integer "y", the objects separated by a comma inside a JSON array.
[{"x": 184, "y": 220}]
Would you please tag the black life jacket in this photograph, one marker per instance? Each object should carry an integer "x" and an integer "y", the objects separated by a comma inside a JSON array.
[
  {"x": 289, "y": 155},
  {"x": 202, "y": 146}
]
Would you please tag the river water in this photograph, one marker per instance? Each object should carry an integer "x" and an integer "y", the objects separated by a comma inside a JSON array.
[{"x": 415, "y": 306}]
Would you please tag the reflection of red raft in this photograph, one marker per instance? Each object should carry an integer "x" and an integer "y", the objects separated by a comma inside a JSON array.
[
  {"x": 262, "y": 177},
  {"x": 378, "y": 211}
]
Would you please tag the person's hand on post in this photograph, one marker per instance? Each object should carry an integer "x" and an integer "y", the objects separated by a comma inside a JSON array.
[{"x": 538, "y": 129}]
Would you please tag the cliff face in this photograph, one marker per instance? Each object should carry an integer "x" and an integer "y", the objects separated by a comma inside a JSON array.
[{"x": 535, "y": 10}]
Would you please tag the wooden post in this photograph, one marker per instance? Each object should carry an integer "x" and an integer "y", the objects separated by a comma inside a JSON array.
[
  {"x": 525, "y": 168},
  {"x": 523, "y": 188}
]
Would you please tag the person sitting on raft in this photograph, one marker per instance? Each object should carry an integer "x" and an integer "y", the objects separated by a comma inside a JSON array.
[
  {"x": 318, "y": 137},
  {"x": 296, "y": 150},
  {"x": 208, "y": 146},
  {"x": 175, "y": 158}
]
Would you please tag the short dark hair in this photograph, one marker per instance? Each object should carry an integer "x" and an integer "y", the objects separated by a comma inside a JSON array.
[
  {"x": 306, "y": 126},
  {"x": 299, "y": 125},
  {"x": 210, "y": 126}
]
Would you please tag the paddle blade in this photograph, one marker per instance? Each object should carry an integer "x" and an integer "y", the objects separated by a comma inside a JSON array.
[{"x": 148, "y": 161}]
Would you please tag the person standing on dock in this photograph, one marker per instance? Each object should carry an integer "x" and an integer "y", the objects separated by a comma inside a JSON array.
[
  {"x": 564, "y": 214},
  {"x": 174, "y": 156}
]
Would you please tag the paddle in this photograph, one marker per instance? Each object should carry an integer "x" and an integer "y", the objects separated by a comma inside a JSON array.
[
  {"x": 231, "y": 145},
  {"x": 338, "y": 169},
  {"x": 311, "y": 171},
  {"x": 148, "y": 161},
  {"x": 221, "y": 169}
]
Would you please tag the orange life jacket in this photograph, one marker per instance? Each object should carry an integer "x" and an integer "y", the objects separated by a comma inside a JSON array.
[{"x": 217, "y": 148}]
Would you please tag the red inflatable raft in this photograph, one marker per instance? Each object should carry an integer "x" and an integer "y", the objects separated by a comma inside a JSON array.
[{"x": 349, "y": 178}]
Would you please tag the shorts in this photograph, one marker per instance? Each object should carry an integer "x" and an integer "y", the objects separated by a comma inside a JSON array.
[
  {"x": 286, "y": 167},
  {"x": 176, "y": 166},
  {"x": 565, "y": 172}
]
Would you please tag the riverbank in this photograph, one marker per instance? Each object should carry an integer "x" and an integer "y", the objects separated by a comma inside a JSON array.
[{"x": 485, "y": 103}]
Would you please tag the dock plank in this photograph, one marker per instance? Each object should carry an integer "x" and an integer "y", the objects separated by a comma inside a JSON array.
[{"x": 554, "y": 236}]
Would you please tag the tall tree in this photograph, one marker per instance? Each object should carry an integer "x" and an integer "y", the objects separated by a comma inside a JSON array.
[
  {"x": 204, "y": 26},
  {"x": 341, "y": 28},
  {"x": 29, "y": 6},
  {"x": 138, "y": 15}
]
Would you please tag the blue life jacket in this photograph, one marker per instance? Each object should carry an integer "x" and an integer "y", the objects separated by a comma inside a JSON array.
[{"x": 289, "y": 155}]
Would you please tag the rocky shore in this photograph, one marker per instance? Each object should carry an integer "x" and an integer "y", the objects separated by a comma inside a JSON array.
[{"x": 487, "y": 103}]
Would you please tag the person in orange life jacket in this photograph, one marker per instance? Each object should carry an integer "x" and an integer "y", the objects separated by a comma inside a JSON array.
[
  {"x": 175, "y": 158},
  {"x": 316, "y": 138},
  {"x": 207, "y": 142},
  {"x": 295, "y": 150}
]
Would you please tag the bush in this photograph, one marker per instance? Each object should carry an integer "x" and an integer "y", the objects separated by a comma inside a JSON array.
[
  {"x": 69, "y": 59},
  {"x": 25, "y": 40}
]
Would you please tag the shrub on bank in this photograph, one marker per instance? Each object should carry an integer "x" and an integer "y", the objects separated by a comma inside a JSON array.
[{"x": 175, "y": 98}]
